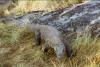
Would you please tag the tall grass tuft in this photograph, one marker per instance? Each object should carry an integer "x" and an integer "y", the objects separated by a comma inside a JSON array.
[{"x": 24, "y": 6}]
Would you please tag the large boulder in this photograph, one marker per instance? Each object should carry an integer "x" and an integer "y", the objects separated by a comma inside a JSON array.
[{"x": 72, "y": 19}]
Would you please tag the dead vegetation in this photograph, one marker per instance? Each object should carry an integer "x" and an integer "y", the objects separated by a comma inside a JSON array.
[{"x": 17, "y": 49}]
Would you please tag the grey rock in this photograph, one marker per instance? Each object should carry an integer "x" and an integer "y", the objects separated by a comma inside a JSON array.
[{"x": 67, "y": 19}]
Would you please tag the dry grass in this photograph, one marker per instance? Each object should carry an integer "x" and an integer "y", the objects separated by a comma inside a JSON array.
[
  {"x": 19, "y": 50},
  {"x": 25, "y": 6},
  {"x": 17, "y": 46}
]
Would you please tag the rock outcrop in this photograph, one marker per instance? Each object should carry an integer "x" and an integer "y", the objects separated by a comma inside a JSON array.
[{"x": 72, "y": 19}]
